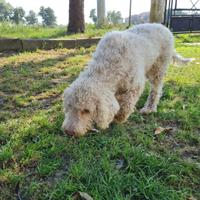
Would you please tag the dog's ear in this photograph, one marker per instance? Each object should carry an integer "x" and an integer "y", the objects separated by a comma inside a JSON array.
[
  {"x": 66, "y": 98},
  {"x": 107, "y": 108}
]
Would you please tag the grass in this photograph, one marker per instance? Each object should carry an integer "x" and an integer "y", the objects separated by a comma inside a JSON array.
[
  {"x": 188, "y": 38},
  {"x": 59, "y": 32},
  {"x": 37, "y": 32},
  {"x": 123, "y": 162}
]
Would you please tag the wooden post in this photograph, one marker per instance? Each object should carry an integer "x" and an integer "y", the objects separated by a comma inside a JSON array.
[
  {"x": 157, "y": 11},
  {"x": 101, "y": 12}
]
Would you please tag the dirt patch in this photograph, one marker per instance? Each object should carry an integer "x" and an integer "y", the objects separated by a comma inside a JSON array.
[
  {"x": 47, "y": 102},
  {"x": 170, "y": 139},
  {"x": 175, "y": 124},
  {"x": 61, "y": 172},
  {"x": 171, "y": 142},
  {"x": 192, "y": 153}
]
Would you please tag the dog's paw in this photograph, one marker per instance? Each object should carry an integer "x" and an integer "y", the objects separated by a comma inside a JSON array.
[
  {"x": 148, "y": 110},
  {"x": 119, "y": 119}
]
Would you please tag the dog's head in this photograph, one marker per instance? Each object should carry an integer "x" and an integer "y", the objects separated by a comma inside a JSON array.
[{"x": 85, "y": 106}]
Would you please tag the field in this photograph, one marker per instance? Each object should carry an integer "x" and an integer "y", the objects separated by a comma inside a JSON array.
[{"x": 124, "y": 162}]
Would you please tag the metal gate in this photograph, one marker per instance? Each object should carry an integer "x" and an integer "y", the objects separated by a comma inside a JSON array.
[{"x": 180, "y": 19}]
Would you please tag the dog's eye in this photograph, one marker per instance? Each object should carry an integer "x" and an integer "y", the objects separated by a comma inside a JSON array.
[{"x": 85, "y": 111}]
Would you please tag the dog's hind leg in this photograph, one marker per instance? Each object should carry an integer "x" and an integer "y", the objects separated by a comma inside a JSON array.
[{"x": 155, "y": 77}]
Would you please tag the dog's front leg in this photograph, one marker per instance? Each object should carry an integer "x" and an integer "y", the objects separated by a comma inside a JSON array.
[{"x": 127, "y": 102}]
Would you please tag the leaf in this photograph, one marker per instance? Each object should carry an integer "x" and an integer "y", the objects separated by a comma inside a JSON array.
[
  {"x": 184, "y": 106},
  {"x": 160, "y": 130},
  {"x": 95, "y": 130},
  {"x": 81, "y": 196},
  {"x": 120, "y": 163}
]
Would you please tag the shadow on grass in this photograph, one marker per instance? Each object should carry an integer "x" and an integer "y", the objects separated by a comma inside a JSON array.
[
  {"x": 7, "y": 54},
  {"x": 28, "y": 86}
]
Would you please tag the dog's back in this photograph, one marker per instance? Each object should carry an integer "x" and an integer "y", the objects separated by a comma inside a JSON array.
[{"x": 153, "y": 32}]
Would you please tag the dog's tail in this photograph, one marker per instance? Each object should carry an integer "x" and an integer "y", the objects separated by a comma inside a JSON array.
[{"x": 177, "y": 59}]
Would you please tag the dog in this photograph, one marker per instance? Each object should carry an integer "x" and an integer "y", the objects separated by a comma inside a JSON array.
[{"x": 108, "y": 90}]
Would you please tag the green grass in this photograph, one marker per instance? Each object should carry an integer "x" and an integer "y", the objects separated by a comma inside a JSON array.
[
  {"x": 37, "y": 32},
  {"x": 188, "y": 38},
  {"x": 39, "y": 162}
]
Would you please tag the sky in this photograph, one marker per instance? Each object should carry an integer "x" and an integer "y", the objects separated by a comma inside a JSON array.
[{"x": 61, "y": 7}]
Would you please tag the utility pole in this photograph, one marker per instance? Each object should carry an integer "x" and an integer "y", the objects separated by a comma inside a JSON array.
[
  {"x": 157, "y": 11},
  {"x": 130, "y": 14},
  {"x": 101, "y": 12}
]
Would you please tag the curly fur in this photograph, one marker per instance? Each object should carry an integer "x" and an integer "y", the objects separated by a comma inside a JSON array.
[{"x": 115, "y": 78}]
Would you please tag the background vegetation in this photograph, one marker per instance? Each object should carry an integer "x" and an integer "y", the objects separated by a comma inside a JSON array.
[{"x": 18, "y": 15}]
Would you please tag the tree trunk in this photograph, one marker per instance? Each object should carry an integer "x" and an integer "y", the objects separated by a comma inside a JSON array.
[
  {"x": 157, "y": 11},
  {"x": 101, "y": 12},
  {"x": 76, "y": 17}
]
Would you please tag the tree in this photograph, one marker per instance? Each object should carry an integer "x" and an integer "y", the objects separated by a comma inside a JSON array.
[
  {"x": 76, "y": 16},
  {"x": 6, "y": 11},
  {"x": 31, "y": 18},
  {"x": 114, "y": 17},
  {"x": 157, "y": 11},
  {"x": 48, "y": 16},
  {"x": 93, "y": 15},
  {"x": 18, "y": 15},
  {"x": 101, "y": 13}
]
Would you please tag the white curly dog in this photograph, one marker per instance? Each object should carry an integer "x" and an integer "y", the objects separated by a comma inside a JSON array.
[{"x": 110, "y": 87}]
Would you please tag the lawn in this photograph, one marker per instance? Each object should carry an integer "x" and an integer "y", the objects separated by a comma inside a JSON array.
[
  {"x": 38, "y": 32},
  {"x": 59, "y": 32},
  {"x": 124, "y": 162}
]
